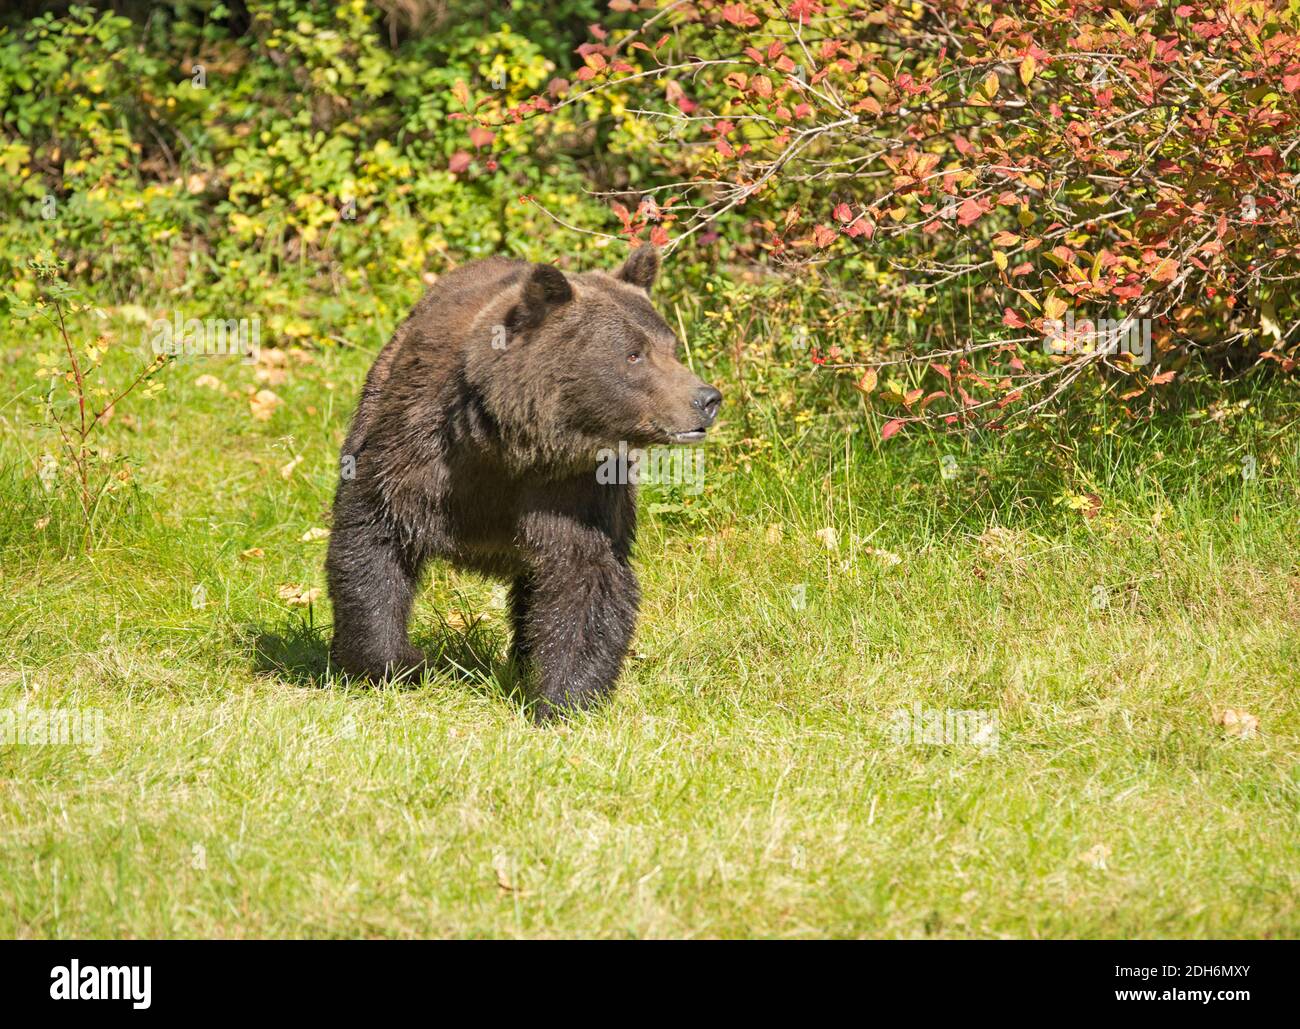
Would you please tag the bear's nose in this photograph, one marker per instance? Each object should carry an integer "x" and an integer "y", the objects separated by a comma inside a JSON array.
[{"x": 707, "y": 401}]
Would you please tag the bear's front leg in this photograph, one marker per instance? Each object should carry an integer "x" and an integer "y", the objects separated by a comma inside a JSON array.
[
  {"x": 579, "y": 612},
  {"x": 371, "y": 585},
  {"x": 521, "y": 596}
]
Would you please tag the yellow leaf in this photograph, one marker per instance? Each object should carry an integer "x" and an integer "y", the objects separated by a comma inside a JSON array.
[
  {"x": 1027, "y": 68},
  {"x": 991, "y": 84},
  {"x": 1095, "y": 273},
  {"x": 1268, "y": 321}
]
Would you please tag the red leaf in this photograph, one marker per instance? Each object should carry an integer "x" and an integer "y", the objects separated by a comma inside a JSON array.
[
  {"x": 1165, "y": 271},
  {"x": 970, "y": 212},
  {"x": 889, "y": 428},
  {"x": 805, "y": 9},
  {"x": 738, "y": 14}
]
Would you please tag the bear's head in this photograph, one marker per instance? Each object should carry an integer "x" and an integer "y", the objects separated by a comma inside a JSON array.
[{"x": 584, "y": 362}]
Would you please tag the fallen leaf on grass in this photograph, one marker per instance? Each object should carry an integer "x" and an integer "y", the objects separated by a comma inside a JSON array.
[
  {"x": 1096, "y": 856},
  {"x": 297, "y": 596},
  {"x": 1087, "y": 504},
  {"x": 1241, "y": 724},
  {"x": 314, "y": 534},
  {"x": 262, "y": 404},
  {"x": 887, "y": 557},
  {"x": 271, "y": 362},
  {"x": 253, "y": 554},
  {"x": 287, "y": 471},
  {"x": 773, "y": 534},
  {"x": 829, "y": 537},
  {"x": 499, "y": 866}
]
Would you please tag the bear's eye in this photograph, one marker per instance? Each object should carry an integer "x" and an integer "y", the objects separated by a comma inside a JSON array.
[{"x": 634, "y": 357}]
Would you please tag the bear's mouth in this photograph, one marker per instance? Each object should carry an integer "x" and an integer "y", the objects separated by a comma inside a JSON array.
[{"x": 689, "y": 436}]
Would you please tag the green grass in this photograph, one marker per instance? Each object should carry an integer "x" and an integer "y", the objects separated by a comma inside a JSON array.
[{"x": 743, "y": 781}]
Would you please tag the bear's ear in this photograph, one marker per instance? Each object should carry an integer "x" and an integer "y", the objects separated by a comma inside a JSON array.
[
  {"x": 545, "y": 289},
  {"x": 641, "y": 268}
]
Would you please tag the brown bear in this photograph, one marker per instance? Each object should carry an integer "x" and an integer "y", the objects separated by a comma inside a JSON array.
[{"x": 476, "y": 440}]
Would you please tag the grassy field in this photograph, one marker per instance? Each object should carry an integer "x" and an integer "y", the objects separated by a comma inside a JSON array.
[{"x": 746, "y": 779}]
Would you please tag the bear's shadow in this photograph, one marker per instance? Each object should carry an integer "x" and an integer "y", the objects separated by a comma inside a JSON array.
[{"x": 298, "y": 652}]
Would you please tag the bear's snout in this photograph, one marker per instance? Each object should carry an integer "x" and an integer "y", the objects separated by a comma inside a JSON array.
[
  {"x": 701, "y": 412},
  {"x": 707, "y": 401}
]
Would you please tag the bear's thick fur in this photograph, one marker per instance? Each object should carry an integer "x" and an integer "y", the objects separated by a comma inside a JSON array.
[{"x": 476, "y": 441}]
